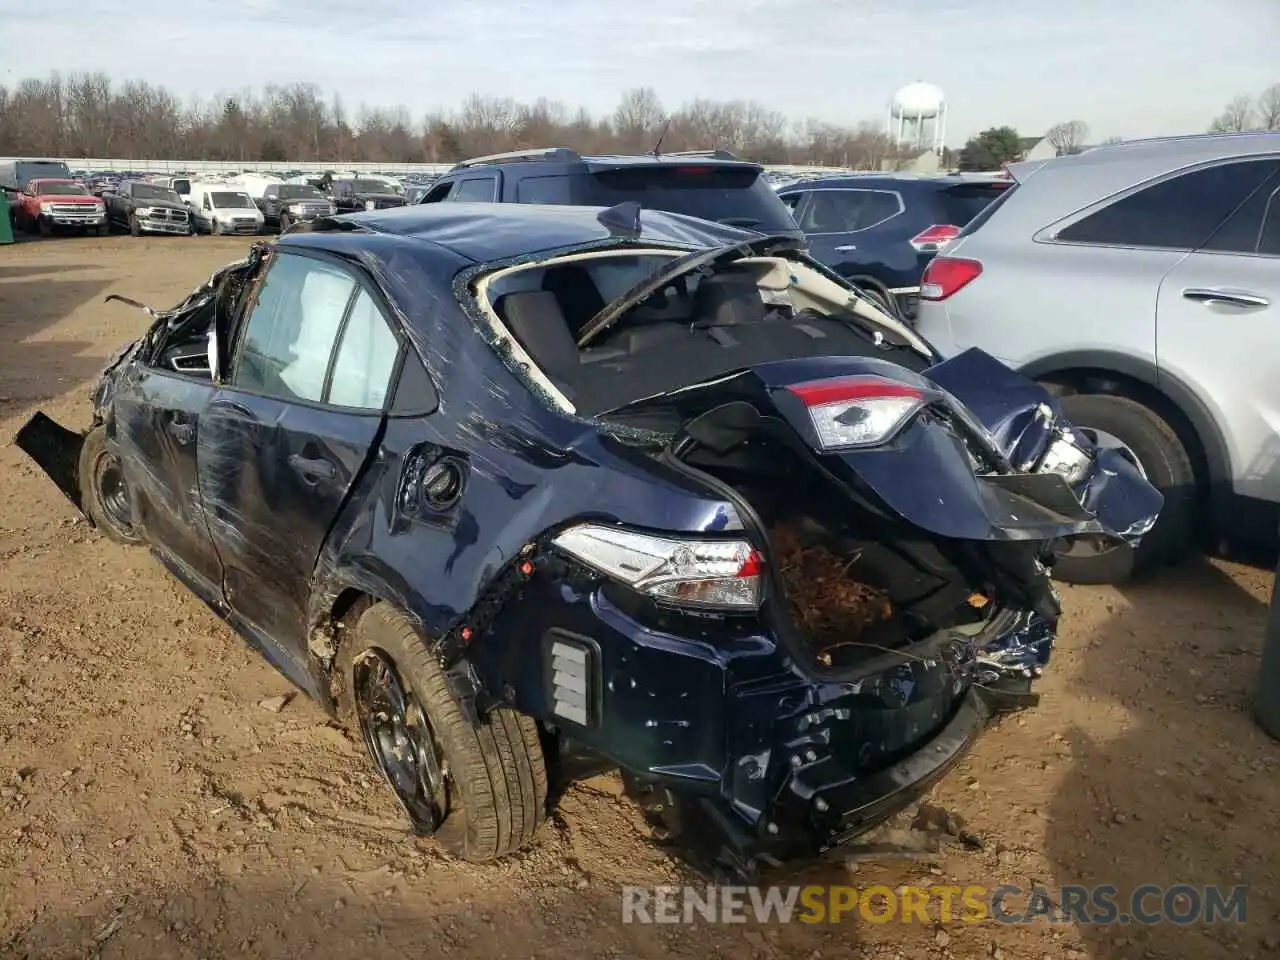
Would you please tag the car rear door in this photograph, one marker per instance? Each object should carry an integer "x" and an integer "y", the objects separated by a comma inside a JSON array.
[
  {"x": 157, "y": 415},
  {"x": 285, "y": 438},
  {"x": 1218, "y": 327},
  {"x": 840, "y": 224}
]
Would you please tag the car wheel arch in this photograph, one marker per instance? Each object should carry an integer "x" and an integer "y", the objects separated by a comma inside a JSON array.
[{"x": 1139, "y": 380}]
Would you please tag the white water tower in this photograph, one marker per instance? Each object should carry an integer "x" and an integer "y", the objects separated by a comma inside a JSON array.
[{"x": 918, "y": 117}]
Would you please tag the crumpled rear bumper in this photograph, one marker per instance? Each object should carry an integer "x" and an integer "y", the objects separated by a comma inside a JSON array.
[{"x": 821, "y": 809}]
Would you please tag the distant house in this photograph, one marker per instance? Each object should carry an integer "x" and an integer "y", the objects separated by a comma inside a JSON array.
[{"x": 1039, "y": 148}]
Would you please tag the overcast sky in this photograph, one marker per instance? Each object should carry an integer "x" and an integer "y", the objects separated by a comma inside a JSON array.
[{"x": 1125, "y": 67}]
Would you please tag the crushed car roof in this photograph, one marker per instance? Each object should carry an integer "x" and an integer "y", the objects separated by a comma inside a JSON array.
[{"x": 485, "y": 232}]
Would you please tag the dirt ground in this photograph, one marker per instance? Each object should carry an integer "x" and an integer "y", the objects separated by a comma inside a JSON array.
[{"x": 149, "y": 807}]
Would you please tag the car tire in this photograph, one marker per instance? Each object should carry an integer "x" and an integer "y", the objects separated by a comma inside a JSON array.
[
  {"x": 495, "y": 790},
  {"x": 1164, "y": 459},
  {"x": 44, "y": 226},
  {"x": 135, "y": 229},
  {"x": 284, "y": 223},
  {"x": 104, "y": 230},
  {"x": 103, "y": 495}
]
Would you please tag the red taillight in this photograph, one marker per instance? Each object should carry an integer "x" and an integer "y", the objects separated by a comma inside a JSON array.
[
  {"x": 935, "y": 237},
  {"x": 817, "y": 392},
  {"x": 851, "y": 412},
  {"x": 945, "y": 275}
]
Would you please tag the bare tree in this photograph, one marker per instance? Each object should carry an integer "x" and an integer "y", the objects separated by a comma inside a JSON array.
[
  {"x": 1237, "y": 116},
  {"x": 638, "y": 120},
  {"x": 1269, "y": 108},
  {"x": 1067, "y": 138},
  {"x": 87, "y": 115}
]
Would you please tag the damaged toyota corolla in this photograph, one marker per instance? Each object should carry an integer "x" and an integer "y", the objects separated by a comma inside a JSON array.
[{"x": 505, "y": 487}]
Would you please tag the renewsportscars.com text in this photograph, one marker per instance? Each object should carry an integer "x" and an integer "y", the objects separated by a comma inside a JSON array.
[{"x": 1180, "y": 904}]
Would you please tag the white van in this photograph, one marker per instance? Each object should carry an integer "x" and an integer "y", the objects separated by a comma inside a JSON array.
[{"x": 222, "y": 208}]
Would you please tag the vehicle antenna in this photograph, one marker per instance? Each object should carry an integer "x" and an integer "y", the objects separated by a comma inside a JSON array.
[{"x": 662, "y": 136}]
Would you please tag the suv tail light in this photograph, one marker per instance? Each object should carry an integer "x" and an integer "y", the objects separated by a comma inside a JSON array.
[
  {"x": 687, "y": 572},
  {"x": 851, "y": 412},
  {"x": 946, "y": 275},
  {"x": 935, "y": 237}
]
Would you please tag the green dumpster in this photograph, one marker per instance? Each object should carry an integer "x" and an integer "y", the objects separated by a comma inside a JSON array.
[{"x": 6, "y": 225}]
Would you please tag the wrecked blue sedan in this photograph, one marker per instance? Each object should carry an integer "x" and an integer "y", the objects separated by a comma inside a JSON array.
[{"x": 522, "y": 491}]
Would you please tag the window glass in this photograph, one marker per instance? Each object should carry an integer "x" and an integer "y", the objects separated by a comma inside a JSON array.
[
  {"x": 478, "y": 190},
  {"x": 792, "y": 200},
  {"x": 833, "y": 211},
  {"x": 1269, "y": 237},
  {"x": 877, "y": 207},
  {"x": 1179, "y": 213},
  {"x": 544, "y": 190},
  {"x": 438, "y": 193},
  {"x": 1241, "y": 232},
  {"x": 290, "y": 334},
  {"x": 366, "y": 358}
]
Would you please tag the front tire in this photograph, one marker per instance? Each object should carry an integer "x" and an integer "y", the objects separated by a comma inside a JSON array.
[
  {"x": 135, "y": 229},
  {"x": 481, "y": 790},
  {"x": 104, "y": 497},
  {"x": 1162, "y": 456},
  {"x": 285, "y": 223}
]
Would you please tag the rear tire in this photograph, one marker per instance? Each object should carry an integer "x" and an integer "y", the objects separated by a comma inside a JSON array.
[
  {"x": 1162, "y": 455},
  {"x": 496, "y": 777},
  {"x": 104, "y": 498}
]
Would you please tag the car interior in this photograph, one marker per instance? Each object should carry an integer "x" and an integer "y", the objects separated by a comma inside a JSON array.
[{"x": 697, "y": 327}]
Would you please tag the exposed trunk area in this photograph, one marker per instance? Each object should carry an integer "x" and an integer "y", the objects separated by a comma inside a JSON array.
[{"x": 858, "y": 588}]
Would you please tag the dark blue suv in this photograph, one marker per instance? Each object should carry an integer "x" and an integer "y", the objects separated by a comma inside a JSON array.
[
  {"x": 713, "y": 185},
  {"x": 881, "y": 230}
]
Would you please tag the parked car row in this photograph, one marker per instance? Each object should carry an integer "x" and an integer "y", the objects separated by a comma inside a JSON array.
[{"x": 46, "y": 197}]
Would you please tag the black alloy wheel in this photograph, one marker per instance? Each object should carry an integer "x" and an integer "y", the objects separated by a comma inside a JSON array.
[{"x": 400, "y": 739}]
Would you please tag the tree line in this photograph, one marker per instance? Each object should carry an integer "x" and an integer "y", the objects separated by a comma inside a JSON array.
[
  {"x": 87, "y": 115},
  {"x": 1245, "y": 113}
]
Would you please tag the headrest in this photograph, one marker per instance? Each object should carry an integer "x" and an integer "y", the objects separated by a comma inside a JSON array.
[
  {"x": 535, "y": 319},
  {"x": 726, "y": 299}
]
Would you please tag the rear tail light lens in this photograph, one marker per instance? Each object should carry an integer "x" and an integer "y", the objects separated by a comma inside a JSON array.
[
  {"x": 708, "y": 574},
  {"x": 935, "y": 237},
  {"x": 851, "y": 412},
  {"x": 946, "y": 275}
]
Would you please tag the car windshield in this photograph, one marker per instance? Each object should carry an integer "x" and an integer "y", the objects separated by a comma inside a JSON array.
[
  {"x": 291, "y": 192},
  {"x": 148, "y": 191},
  {"x": 735, "y": 195},
  {"x": 234, "y": 200},
  {"x": 61, "y": 190},
  {"x": 371, "y": 186}
]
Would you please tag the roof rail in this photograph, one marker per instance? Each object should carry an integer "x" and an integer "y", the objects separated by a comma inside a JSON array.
[
  {"x": 544, "y": 153},
  {"x": 706, "y": 154}
]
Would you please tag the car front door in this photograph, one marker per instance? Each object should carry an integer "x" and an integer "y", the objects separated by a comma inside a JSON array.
[
  {"x": 1218, "y": 327},
  {"x": 157, "y": 415},
  {"x": 288, "y": 433}
]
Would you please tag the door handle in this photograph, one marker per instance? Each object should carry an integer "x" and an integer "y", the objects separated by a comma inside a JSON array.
[
  {"x": 846, "y": 248},
  {"x": 1235, "y": 298},
  {"x": 182, "y": 431},
  {"x": 313, "y": 470}
]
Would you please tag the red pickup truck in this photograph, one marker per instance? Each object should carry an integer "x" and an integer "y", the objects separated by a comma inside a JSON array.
[{"x": 44, "y": 205}]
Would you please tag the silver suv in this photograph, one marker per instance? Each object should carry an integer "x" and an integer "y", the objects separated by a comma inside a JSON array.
[{"x": 1141, "y": 282}]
